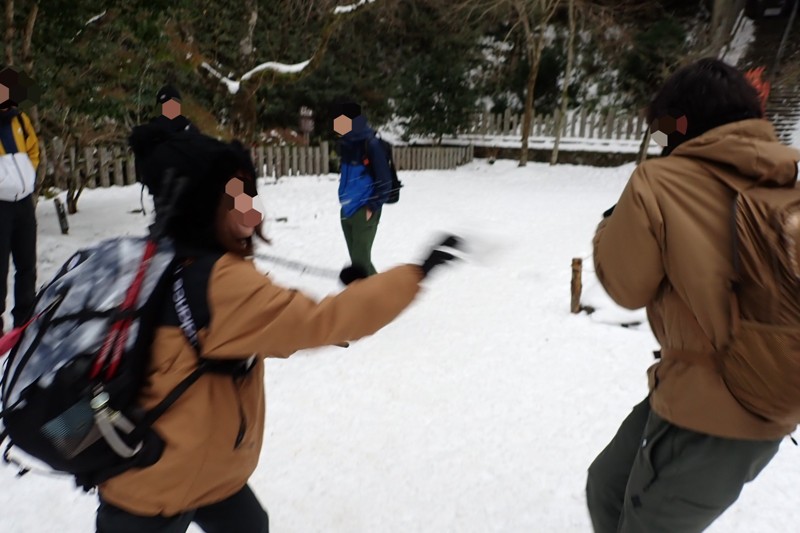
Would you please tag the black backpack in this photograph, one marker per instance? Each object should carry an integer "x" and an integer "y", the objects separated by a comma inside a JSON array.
[
  {"x": 74, "y": 372},
  {"x": 394, "y": 192}
]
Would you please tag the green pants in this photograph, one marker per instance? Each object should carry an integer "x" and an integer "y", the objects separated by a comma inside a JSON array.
[
  {"x": 655, "y": 477},
  {"x": 359, "y": 233}
]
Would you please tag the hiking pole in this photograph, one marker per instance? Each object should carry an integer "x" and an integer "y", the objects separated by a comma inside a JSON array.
[
  {"x": 115, "y": 341},
  {"x": 303, "y": 268}
]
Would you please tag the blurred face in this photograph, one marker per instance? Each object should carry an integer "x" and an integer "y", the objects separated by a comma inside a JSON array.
[
  {"x": 171, "y": 109},
  {"x": 342, "y": 125},
  {"x": 4, "y": 93},
  {"x": 242, "y": 213}
]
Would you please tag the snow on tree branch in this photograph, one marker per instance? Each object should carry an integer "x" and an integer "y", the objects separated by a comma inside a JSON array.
[
  {"x": 281, "y": 68},
  {"x": 338, "y": 10},
  {"x": 234, "y": 85},
  {"x": 88, "y": 22},
  {"x": 277, "y": 67},
  {"x": 96, "y": 18}
]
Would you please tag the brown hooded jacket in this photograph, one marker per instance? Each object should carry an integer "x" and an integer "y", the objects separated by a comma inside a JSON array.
[{"x": 668, "y": 247}]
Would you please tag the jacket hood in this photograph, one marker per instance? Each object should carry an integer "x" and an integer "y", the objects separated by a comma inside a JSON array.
[
  {"x": 6, "y": 116},
  {"x": 358, "y": 135},
  {"x": 749, "y": 146}
]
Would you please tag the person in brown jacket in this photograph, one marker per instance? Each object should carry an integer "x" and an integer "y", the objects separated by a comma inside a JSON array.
[
  {"x": 213, "y": 433},
  {"x": 684, "y": 454}
]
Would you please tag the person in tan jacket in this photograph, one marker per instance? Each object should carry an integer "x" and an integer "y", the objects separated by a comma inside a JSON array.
[
  {"x": 213, "y": 433},
  {"x": 684, "y": 454}
]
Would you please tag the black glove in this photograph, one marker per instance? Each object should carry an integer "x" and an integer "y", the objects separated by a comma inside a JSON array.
[
  {"x": 349, "y": 274},
  {"x": 440, "y": 255},
  {"x": 607, "y": 212}
]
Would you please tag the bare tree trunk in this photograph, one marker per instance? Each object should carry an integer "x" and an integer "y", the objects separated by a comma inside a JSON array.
[
  {"x": 565, "y": 89},
  {"x": 539, "y": 12},
  {"x": 27, "y": 62},
  {"x": 27, "y": 38},
  {"x": 246, "y": 44},
  {"x": 245, "y": 109},
  {"x": 9, "y": 37},
  {"x": 527, "y": 118}
]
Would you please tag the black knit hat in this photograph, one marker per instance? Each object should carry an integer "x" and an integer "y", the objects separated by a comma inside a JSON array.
[
  {"x": 167, "y": 93},
  {"x": 207, "y": 163}
]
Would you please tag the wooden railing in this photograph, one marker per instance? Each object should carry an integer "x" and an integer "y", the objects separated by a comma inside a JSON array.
[
  {"x": 578, "y": 124},
  {"x": 431, "y": 158},
  {"x": 107, "y": 165}
]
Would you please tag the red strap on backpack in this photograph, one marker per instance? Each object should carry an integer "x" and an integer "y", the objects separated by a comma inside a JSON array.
[
  {"x": 118, "y": 335},
  {"x": 10, "y": 339}
]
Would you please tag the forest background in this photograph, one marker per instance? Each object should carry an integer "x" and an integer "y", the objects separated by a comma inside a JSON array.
[{"x": 423, "y": 65}]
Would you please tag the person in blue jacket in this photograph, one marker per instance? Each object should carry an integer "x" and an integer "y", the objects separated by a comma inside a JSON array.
[{"x": 364, "y": 183}]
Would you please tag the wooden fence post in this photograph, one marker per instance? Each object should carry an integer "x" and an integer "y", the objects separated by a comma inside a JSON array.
[
  {"x": 57, "y": 148},
  {"x": 610, "y": 124},
  {"x": 576, "y": 285},
  {"x": 302, "y": 160},
  {"x": 318, "y": 168},
  {"x": 130, "y": 179},
  {"x": 295, "y": 161},
  {"x": 105, "y": 179},
  {"x": 118, "y": 179},
  {"x": 583, "y": 122},
  {"x": 285, "y": 162},
  {"x": 270, "y": 161},
  {"x": 325, "y": 157},
  {"x": 260, "y": 160},
  {"x": 88, "y": 160}
]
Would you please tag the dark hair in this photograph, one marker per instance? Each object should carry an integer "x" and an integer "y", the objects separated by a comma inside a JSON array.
[
  {"x": 209, "y": 165},
  {"x": 710, "y": 93},
  {"x": 346, "y": 107}
]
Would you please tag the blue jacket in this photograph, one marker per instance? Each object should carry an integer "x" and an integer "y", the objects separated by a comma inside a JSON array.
[{"x": 357, "y": 188}]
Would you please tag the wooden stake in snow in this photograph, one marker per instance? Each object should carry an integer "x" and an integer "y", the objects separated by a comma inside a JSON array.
[
  {"x": 577, "y": 286},
  {"x": 62, "y": 216}
]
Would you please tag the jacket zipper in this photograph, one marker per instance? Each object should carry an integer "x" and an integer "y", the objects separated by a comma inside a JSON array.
[{"x": 19, "y": 174}]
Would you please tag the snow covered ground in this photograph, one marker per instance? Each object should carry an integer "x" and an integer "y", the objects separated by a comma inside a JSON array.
[{"x": 478, "y": 410}]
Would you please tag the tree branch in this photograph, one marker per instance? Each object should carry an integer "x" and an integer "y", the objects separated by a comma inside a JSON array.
[
  {"x": 246, "y": 46},
  {"x": 9, "y": 38},
  {"x": 291, "y": 71},
  {"x": 27, "y": 58},
  {"x": 338, "y": 10}
]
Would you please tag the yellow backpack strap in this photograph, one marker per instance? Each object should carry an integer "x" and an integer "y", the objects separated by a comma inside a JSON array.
[{"x": 21, "y": 117}]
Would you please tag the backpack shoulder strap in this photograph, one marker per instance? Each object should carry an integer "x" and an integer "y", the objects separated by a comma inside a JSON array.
[
  {"x": 23, "y": 123},
  {"x": 366, "y": 158},
  {"x": 189, "y": 329},
  {"x": 185, "y": 318}
]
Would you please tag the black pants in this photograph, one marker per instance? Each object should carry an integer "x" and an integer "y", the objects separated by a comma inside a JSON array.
[
  {"x": 655, "y": 477},
  {"x": 241, "y": 513},
  {"x": 18, "y": 241}
]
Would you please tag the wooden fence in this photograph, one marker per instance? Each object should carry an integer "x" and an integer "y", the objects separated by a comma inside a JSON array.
[
  {"x": 578, "y": 124},
  {"x": 107, "y": 165},
  {"x": 431, "y": 158}
]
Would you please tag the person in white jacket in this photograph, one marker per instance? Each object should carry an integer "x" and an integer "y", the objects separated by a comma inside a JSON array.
[{"x": 19, "y": 158}]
